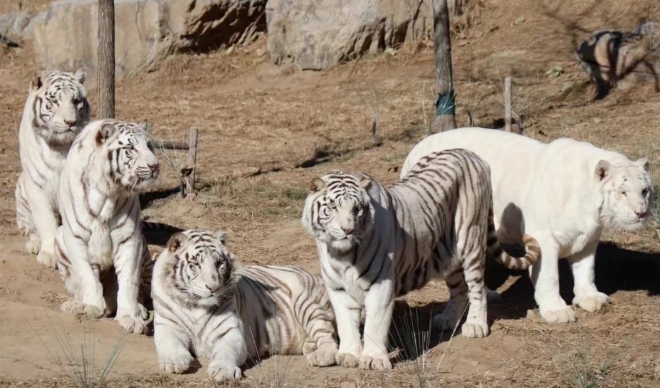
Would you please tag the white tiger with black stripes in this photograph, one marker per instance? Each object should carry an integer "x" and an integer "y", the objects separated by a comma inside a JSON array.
[
  {"x": 109, "y": 163},
  {"x": 55, "y": 111},
  {"x": 376, "y": 244},
  {"x": 206, "y": 303}
]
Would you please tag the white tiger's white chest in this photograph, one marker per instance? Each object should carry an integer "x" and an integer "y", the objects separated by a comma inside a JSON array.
[
  {"x": 100, "y": 242},
  {"x": 343, "y": 275}
]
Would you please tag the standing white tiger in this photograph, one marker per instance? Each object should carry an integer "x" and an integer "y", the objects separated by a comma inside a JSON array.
[
  {"x": 207, "y": 303},
  {"x": 108, "y": 164},
  {"x": 563, "y": 193},
  {"x": 55, "y": 111},
  {"x": 376, "y": 244}
]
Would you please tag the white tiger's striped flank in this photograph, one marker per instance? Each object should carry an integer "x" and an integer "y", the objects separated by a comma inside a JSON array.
[
  {"x": 376, "y": 244},
  {"x": 109, "y": 163},
  {"x": 55, "y": 111},
  {"x": 209, "y": 305}
]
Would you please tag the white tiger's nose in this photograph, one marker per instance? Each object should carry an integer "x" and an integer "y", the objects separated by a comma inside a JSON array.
[{"x": 213, "y": 288}]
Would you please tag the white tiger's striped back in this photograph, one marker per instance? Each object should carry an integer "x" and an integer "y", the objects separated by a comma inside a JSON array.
[{"x": 205, "y": 301}]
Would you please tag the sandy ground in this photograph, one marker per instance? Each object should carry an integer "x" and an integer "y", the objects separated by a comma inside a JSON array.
[{"x": 265, "y": 132}]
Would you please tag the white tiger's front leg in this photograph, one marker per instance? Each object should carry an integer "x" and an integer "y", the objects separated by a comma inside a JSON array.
[
  {"x": 545, "y": 278},
  {"x": 47, "y": 222},
  {"x": 347, "y": 313},
  {"x": 587, "y": 295},
  {"x": 85, "y": 284},
  {"x": 228, "y": 350},
  {"x": 378, "y": 305},
  {"x": 24, "y": 218},
  {"x": 131, "y": 315},
  {"x": 172, "y": 346}
]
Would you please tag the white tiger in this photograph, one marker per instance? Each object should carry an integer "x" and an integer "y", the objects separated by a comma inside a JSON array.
[
  {"x": 55, "y": 111},
  {"x": 563, "y": 193},
  {"x": 207, "y": 303},
  {"x": 376, "y": 244},
  {"x": 108, "y": 164}
]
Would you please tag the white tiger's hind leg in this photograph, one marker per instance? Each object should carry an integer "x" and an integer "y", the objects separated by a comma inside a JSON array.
[
  {"x": 320, "y": 347},
  {"x": 451, "y": 315},
  {"x": 476, "y": 324},
  {"x": 587, "y": 295}
]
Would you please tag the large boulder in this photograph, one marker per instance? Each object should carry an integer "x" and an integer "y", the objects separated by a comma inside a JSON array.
[
  {"x": 317, "y": 34},
  {"x": 147, "y": 31}
]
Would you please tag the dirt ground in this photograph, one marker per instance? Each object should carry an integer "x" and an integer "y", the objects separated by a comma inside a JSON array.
[{"x": 265, "y": 131}]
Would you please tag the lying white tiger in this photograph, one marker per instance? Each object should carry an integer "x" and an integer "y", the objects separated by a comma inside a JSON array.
[
  {"x": 207, "y": 303},
  {"x": 108, "y": 164},
  {"x": 563, "y": 193},
  {"x": 376, "y": 244},
  {"x": 55, "y": 111}
]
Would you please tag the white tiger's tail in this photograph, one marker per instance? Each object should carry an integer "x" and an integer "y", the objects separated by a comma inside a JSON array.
[{"x": 496, "y": 252}]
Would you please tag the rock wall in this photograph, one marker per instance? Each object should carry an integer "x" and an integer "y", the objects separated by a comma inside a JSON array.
[
  {"x": 317, "y": 34},
  {"x": 65, "y": 37}
]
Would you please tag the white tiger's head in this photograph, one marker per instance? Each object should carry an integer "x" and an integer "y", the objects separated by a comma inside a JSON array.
[
  {"x": 338, "y": 209},
  {"x": 627, "y": 193},
  {"x": 199, "y": 269},
  {"x": 60, "y": 106},
  {"x": 127, "y": 154}
]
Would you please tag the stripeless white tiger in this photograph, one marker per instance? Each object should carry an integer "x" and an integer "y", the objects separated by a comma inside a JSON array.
[
  {"x": 55, "y": 111},
  {"x": 563, "y": 193},
  {"x": 375, "y": 244},
  {"x": 109, "y": 163},
  {"x": 207, "y": 304}
]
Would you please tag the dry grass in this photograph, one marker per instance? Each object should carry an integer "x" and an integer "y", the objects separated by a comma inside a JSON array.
[{"x": 254, "y": 118}]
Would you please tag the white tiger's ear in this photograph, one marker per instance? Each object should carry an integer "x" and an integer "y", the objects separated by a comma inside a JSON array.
[
  {"x": 221, "y": 235},
  {"x": 36, "y": 83},
  {"x": 80, "y": 75},
  {"x": 105, "y": 132},
  {"x": 144, "y": 126},
  {"x": 644, "y": 163},
  {"x": 364, "y": 181},
  {"x": 175, "y": 242},
  {"x": 316, "y": 185},
  {"x": 603, "y": 169}
]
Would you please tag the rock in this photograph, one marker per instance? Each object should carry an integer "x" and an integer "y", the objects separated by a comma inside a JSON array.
[
  {"x": 146, "y": 31},
  {"x": 609, "y": 56},
  {"x": 318, "y": 34},
  {"x": 17, "y": 26}
]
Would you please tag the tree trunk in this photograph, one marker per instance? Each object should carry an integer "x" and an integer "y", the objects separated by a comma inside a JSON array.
[
  {"x": 445, "y": 102},
  {"x": 106, "y": 59}
]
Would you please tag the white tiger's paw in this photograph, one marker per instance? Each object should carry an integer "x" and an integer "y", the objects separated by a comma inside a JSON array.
[
  {"x": 563, "y": 315},
  {"x": 308, "y": 346},
  {"x": 347, "y": 360},
  {"x": 47, "y": 259},
  {"x": 475, "y": 330},
  {"x": 375, "y": 362},
  {"x": 324, "y": 355},
  {"x": 33, "y": 246},
  {"x": 220, "y": 374},
  {"x": 132, "y": 324},
  {"x": 176, "y": 363},
  {"x": 591, "y": 302},
  {"x": 78, "y": 308}
]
